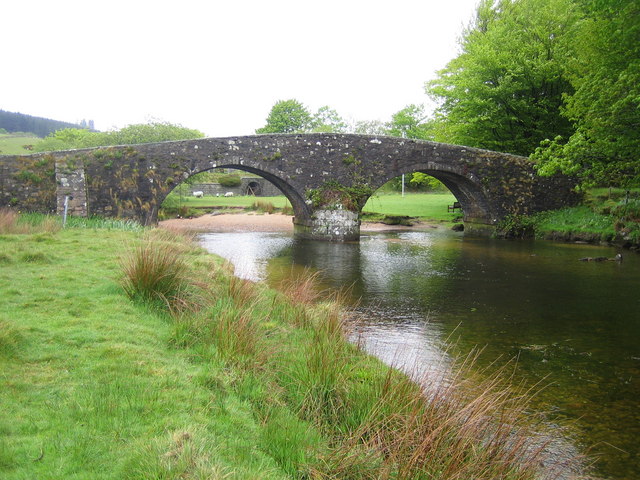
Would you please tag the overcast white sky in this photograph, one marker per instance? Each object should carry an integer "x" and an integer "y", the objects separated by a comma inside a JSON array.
[{"x": 219, "y": 66}]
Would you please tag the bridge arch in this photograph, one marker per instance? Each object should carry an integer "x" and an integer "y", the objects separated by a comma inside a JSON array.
[
  {"x": 468, "y": 192},
  {"x": 301, "y": 209}
]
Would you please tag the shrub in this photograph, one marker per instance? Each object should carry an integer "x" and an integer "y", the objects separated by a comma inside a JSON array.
[
  {"x": 266, "y": 207},
  {"x": 230, "y": 180},
  {"x": 516, "y": 226}
]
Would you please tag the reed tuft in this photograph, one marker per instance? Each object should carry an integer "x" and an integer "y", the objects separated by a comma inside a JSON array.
[{"x": 157, "y": 273}]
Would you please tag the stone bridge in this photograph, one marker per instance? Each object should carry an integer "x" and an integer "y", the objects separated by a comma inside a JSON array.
[{"x": 326, "y": 177}]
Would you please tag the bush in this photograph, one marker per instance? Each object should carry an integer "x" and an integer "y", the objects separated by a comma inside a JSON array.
[
  {"x": 516, "y": 226},
  {"x": 230, "y": 180},
  {"x": 265, "y": 207}
]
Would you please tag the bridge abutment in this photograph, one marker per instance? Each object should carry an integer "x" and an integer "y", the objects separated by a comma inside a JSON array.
[{"x": 334, "y": 225}]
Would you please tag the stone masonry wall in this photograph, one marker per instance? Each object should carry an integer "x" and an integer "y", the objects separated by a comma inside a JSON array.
[
  {"x": 27, "y": 183},
  {"x": 315, "y": 171}
]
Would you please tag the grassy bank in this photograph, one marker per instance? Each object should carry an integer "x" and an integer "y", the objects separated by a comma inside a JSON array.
[
  {"x": 606, "y": 216},
  {"x": 133, "y": 354}
]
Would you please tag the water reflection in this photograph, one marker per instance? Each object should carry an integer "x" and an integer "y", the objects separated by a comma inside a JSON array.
[
  {"x": 249, "y": 252},
  {"x": 574, "y": 325}
]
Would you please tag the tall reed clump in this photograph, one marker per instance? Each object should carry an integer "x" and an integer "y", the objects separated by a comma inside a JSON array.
[
  {"x": 261, "y": 206},
  {"x": 384, "y": 425},
  {"x": 156, "y": 272},
  {"x": 11, "y": 222},
  {"x": 236, "y": 337}
]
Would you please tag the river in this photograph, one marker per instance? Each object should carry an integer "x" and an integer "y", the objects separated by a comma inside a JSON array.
[{"x": 572, "y": 326}]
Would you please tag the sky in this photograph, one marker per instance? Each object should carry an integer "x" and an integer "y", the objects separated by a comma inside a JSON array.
[{"x": 219, "y": 66}]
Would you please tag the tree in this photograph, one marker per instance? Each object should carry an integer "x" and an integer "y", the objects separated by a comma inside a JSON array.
[
  {"x": 505, "y": 90},
  {"x": 287, "y": 116},
  {"x": 369, "y": 127},
  {"x": 327, "y": 120},
  {"x": 605, "y": 72},
  {"x": 426, "y": 182},
  {"x": 411, "y": 122},
  {"x": 151, "y": 132},
  {"x": 70, "y": 138}
]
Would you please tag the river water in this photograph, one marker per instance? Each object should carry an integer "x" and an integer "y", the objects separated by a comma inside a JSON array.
[{"x": 573, "y": 326}]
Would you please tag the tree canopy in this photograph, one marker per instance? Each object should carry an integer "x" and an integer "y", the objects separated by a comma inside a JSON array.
[
  {"x": 558, "y": 80},
  {"x": 411, "y": 122},
  {"x": 71, "y": 138},
  {"x": 505, "y": 90},
  {"x": 287, "y": 116},
  {"x": 291, "y": 116},
  {"x": 605, "y": 107}
]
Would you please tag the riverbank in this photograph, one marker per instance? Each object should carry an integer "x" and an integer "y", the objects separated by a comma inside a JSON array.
[{"x": 135, "y": 355}]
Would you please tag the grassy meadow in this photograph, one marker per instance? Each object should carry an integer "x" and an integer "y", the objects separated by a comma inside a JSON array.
[
  {"x": 129, "y": 353},
  {"x": 424, "y": 206},
  {"x": 13, "y": 143}
]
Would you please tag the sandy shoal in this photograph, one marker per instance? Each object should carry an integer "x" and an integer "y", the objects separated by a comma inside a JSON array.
[{"x": 251, "y": 222}]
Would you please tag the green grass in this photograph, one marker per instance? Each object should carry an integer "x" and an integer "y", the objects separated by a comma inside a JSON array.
[
  {"x": 226, "y": 202},
  {"x": 101, "y": 381},
  {"x": 606, "y": 215},
  {"x": 13, "y": 143},
  {"x": 425, "y": 206},
  {"x": 91, "y": 387},
  {"x": 575, "y": 219}
]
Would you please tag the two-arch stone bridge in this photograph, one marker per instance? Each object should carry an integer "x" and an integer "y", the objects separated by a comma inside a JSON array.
[{"x": 326, "y": 177}]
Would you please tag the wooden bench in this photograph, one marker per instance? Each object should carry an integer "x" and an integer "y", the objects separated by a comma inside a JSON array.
[{"x": 452, "y": 208}]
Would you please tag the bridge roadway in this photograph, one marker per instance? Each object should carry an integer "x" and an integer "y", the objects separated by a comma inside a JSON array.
[{"x": 326, "y": 177}]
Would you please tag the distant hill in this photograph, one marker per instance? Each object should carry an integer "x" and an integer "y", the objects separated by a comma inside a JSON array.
[{"x": 19, "y": 122}]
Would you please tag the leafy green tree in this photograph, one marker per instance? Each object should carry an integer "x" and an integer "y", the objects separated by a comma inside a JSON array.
[
  {"x": 287, "y": 116},
  {"x": 605, "y": 72},
  {"x": 327, "y": 120},
  {"x": 505, "y": 90},
  {"x": 411, "y": 122},
  {"x": 70, "y": 138},
  {"x": 369, "y": 127},
  {"x": 423, "y": 181},
  {"x": 150, "y": 133}
]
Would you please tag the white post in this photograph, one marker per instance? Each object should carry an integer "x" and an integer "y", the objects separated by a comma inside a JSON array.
[
  {"x": 66, "y": 208},
  {"x": 403, "y": 184}
]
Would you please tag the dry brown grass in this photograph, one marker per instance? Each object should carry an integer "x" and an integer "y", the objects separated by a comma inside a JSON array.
[{"x": 10, "y": 224}]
